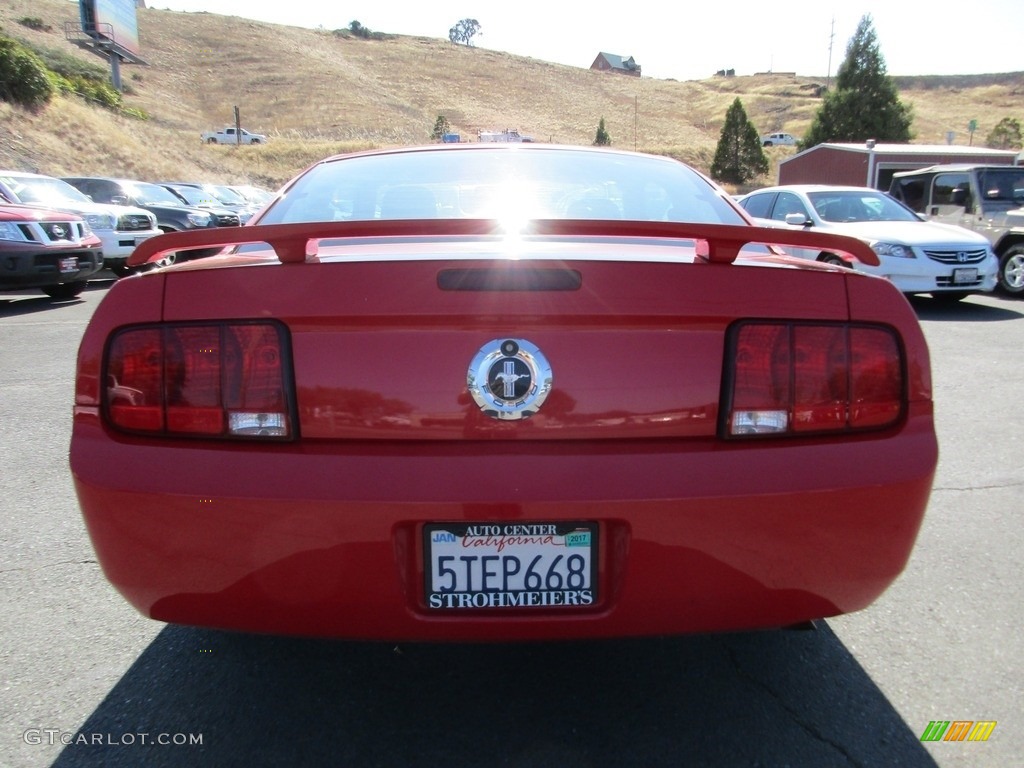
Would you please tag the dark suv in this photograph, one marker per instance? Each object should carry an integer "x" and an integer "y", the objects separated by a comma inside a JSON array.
[
  {"x": 988, "y": 199},
  {"x": 172, "y": 215}
]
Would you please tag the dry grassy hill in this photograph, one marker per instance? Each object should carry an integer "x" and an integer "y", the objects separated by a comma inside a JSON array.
[{"x": 317, "y": 93}]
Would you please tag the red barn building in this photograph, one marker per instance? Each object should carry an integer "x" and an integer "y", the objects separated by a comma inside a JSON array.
[{"x": 873, "y": 165}]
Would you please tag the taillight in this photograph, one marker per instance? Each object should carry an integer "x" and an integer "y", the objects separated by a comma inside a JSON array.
[
  {"x": 210, "y": 380},
  {"x": 791, "y": 378}
]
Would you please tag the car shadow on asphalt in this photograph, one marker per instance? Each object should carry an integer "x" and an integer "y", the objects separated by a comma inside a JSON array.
[
  {"x": 760, "y": 698},
  {"x": 28, "y": 302},
  {"x": 985, "y": 309},
  {"x": 29, "y": 305}
]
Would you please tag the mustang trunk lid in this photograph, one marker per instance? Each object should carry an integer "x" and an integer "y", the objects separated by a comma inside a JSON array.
[{"x": 384, "y": 349}]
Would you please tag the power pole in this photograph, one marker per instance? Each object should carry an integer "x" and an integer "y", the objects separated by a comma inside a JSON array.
[
  {"x": 636, "y": 118},
  {"x": 831, "y": 39}
]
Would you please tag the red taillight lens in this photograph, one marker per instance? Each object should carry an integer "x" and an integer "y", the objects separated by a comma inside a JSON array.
[
  {"x": 223, "y": 380},
  {"x": 798, "y": 378},
  {"x": 876, "y": 378},
  {"x": 138, "y": 405}
]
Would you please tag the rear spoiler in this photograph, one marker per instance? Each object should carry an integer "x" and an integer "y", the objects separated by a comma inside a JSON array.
[{"x": 295, "y": 243}]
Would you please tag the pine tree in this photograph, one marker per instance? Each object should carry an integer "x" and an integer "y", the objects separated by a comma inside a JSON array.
[
  {"x": 738, "y": 157},
  {"x": 864, "y": 104},
  {"x": 441, "y": 127},
  {"x": 602, "y": 139}
]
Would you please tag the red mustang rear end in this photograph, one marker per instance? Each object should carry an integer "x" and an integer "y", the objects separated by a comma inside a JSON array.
[{"x": 499, "y": 393}]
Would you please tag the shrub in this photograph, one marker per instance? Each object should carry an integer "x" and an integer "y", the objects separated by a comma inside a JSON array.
[
  {"x": 34, "y": 22},
  {"x": 138, "y": 114},
  {"x": 94, "y": 90},
  {"x": 24, "y": 78},
  {"x": 65, "y": 64}
]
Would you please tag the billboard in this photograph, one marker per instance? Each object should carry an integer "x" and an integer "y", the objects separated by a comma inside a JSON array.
[{"x": 112, "y": 23}]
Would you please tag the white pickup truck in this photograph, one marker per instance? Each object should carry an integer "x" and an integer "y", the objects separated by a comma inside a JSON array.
[
  {"x": 227, "y": 136},
  {"x": 779, "y": 140},
  {"x": 508, "y": 135}
]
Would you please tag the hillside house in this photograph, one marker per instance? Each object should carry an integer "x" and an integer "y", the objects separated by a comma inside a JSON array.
[{"x": 609, "y": 62}]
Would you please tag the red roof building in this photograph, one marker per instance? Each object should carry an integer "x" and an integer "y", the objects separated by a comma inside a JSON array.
[{"x": 873, "y": 165}]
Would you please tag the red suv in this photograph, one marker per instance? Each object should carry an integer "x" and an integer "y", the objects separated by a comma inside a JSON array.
[{"x": 56, "y": 252}]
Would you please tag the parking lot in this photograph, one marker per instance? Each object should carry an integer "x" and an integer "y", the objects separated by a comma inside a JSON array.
[{"x": 87, "y": 681}]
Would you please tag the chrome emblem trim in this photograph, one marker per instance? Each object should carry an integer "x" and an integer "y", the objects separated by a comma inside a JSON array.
[{"x": 509, "y": 379}]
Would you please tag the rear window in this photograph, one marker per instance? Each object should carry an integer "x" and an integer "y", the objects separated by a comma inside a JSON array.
[{"x": 536, "y": 184}]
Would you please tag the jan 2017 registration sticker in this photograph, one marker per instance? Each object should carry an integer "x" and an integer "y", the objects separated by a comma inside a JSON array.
[{"x": 510, "y": 565}]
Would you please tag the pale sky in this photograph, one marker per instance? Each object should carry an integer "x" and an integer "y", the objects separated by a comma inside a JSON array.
[{"x": 684, "y": 40}]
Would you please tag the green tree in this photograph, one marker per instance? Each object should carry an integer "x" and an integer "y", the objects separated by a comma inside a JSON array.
[
  {"x": 864, "y": 104},
  {"x": 738, "y": 157},
  {"x": 1006, "y": 135},
  {"x": 358, "y": 30},
  {"x": 464, "y": 31},
  {"x": 602, "y": 139},
  {"x": 441, "y": 127}
]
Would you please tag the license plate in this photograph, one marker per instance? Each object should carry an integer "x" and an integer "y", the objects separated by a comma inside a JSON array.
[
  {"x": 473, "y": 566},
  {"x": 961, "y": 276},
  {"x": 68, "y": 264}
]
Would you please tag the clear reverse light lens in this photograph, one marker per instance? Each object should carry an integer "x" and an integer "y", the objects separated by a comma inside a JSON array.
[
  {"x": 262, "y": 424},
  {"x": 759, "y": 422}
]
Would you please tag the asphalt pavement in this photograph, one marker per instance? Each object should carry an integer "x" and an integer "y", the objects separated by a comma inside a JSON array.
[{"x": 89, "y": 682}]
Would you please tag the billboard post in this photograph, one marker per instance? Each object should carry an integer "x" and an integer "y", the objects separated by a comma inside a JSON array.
[{"x": 110, "y": 29}]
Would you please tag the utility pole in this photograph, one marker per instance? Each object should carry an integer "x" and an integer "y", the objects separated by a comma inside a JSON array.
[{"x": 831, "y": 39}]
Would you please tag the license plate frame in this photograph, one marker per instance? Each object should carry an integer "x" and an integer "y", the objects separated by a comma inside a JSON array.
[
  {"x": 965, "y": 275},
  {"x": 503, "y": 566},
  {"x": 67, "y": 264}
]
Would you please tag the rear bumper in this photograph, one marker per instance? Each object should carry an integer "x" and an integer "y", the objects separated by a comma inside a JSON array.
[{"x": 326, "y": 541}]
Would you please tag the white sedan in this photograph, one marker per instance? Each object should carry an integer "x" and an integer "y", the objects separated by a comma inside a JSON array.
[{"x": 949, "y": 262}]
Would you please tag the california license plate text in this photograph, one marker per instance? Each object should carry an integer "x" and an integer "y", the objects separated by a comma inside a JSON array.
[{"x": 519, "y": 565}]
